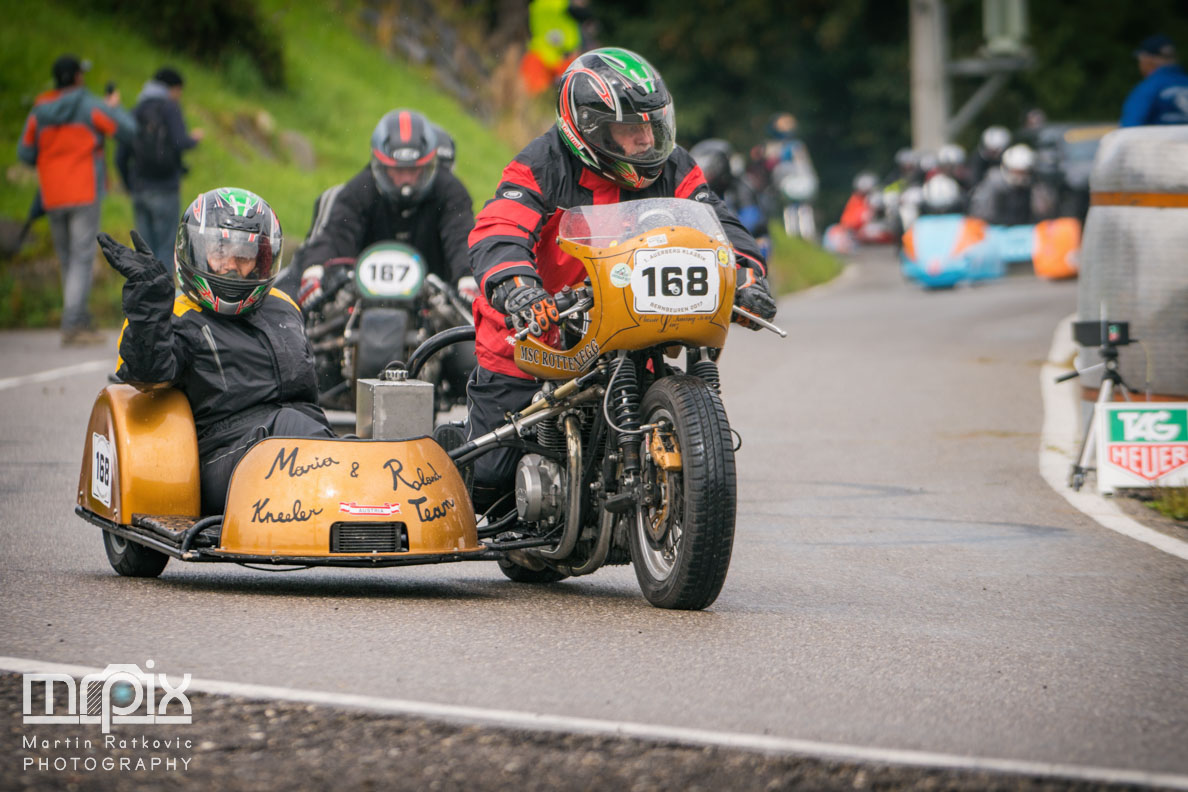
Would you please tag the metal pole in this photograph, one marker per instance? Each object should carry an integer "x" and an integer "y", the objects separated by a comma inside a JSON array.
[{"x": 930, "y": 106}]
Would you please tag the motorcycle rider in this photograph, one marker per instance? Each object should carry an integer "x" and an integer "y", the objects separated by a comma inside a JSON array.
[
  {"x": 403, "y": 194},
  {"x": 230, "y": 342},
  {"x": 988, "y": 154},
  {"x": 1009, "y": 195},
  {"x": 715, "y": 157},
  {"x": 614, "y": 141}
]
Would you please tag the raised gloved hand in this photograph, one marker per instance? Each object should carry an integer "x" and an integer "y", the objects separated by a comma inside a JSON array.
[
  {"x": 752, "y": 295},
  {"x": 524, "y": 297},
  {"x": 318, "y": 283},
  {"x": 135, "y": 265}
]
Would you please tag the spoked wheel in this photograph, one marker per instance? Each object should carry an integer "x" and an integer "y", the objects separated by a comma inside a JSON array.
[
  {"x": 681, "y": 541},
  {"x": 131, "y": 559}
]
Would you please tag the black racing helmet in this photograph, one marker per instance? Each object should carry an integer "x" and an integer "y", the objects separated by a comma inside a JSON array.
[
  {"x": 228, "y": 250},
  {"x": 616, "y": 116},
  {"x": 404, "y": 153}
]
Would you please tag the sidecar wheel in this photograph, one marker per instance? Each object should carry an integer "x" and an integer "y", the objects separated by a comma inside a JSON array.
[
  {"x": 680, "y": 547},
  {"x": 522, "y": 574},
  {"x": 131, "y": 559}
]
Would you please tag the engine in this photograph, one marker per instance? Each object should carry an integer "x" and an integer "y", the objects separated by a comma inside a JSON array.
[{"x": 540, "y": 490}]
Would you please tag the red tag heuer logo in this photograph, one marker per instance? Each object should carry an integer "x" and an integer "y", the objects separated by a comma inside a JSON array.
[{"x": 1149, "y": 460}]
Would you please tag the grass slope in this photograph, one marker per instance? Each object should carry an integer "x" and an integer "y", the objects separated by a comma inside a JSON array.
[{"x": 339, "y": 85}]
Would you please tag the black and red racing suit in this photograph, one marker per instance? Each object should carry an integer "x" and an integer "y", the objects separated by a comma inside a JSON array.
[{"x": 515, "y": 234}]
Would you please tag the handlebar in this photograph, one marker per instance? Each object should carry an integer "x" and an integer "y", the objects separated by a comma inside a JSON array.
[{"x": 766, "y": 325}]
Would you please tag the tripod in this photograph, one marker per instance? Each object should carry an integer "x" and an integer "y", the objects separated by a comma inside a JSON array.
[{"x": 1110, "y": 379}]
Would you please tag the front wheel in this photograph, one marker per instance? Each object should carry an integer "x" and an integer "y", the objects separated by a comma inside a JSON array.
[
  {"x": 681, "y": 541},
  {"x": 131, "y": 559}
]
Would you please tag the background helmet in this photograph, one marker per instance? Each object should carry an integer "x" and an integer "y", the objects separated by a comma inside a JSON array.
[
  {"x": 942, "y": 193},
  {"x": 228, "y": 222},
  {"x": 994, "y": 141},
  {"x": 713, "y": 157},
  {"x": 446, "y": 149},
  {"x": 616, "y": 116},
  {"x": 951, "y": 155},
  {"x": 865, "y": 181},
  {"x": 404, "y": 151},
  {"x": 1017, "y": 163}
]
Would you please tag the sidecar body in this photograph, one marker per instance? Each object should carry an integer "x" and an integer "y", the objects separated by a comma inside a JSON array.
[
  {"x": 941, "y": 251},
  {"x": 292, "y": 501}
]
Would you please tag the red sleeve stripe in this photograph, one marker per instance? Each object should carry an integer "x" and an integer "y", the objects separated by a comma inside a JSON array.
[
  {"x": 690, "y": 183},
  {"x": 102, "y": 122},
  {"x": 755, "y": 263},
  {"x": 508, "y": 210},
  {"x": 501, "y": 268},
  {"x": 521, "y": 174},
  {"x": 488, "y": 228}
]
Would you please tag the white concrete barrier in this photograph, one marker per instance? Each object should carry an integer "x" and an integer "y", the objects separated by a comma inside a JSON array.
[{"x": 1134, "y": 256}]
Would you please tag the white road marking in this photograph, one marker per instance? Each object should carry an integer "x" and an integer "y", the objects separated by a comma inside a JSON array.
[
  {"x": 644, "y": 731},
  {"x": 53, "y": 374},
  {"x": 1060, "y": 441}
]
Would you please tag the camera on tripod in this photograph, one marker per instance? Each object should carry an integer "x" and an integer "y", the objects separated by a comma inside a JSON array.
[{"x": 1102, "y": 332}]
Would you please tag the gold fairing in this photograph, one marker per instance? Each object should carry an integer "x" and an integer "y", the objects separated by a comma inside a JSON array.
[
  {"x": 153, "y": 455},
  {"x": 287, "y": 494},
  {"x": 614, "y": 322}
]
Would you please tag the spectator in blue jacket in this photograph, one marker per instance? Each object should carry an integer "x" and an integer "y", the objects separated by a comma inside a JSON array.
[
  {"x": 1162, "y": 96},
  {"x": 152, "y": 167}
]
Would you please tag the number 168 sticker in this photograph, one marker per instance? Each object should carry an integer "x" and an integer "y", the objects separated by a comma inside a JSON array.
[
  {"x": 101, "y": 468},
  {"x": 675, "y": 281}
]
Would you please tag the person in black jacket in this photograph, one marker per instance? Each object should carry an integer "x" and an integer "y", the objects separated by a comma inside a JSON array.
[
  {"x": 614, "y": 141},
  {"x": 151, "y": 167},
  {"x": 231, "y": 343},
  {"x": 404, "y": 195}
]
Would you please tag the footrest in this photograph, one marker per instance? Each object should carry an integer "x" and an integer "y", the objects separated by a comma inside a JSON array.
[{"x": 171, "y": 527}]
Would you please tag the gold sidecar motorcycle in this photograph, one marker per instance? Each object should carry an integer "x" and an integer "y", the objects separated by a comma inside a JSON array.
[{"x": 626, "y": 458}]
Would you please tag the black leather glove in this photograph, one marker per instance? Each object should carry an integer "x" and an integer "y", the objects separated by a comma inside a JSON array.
[
  {"x": 752, "y": 295},
  {"x": 135, "y": 265},
  {"x": 524, "y": 298}
]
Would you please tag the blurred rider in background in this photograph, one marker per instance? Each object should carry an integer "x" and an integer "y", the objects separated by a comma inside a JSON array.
[
  {"x": 1009, "y": 195},
  {"x": 988, "y": 155},
  {"x": 403, "y": 194},
  {"x": 717, "y": 161}
]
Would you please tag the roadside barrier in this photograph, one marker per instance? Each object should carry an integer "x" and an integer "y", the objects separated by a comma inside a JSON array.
[{"x": 1134, "y": 258}]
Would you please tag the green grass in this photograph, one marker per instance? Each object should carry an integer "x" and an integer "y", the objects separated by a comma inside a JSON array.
[
  {"x": 339, "y": 86},
  {"x": 796, "y": 264},
  {"x": 1170, "y": 502}
]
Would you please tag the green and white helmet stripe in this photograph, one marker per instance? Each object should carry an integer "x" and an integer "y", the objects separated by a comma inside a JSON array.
[
  {"x": 630, "y": 66},
  {"x": 241, "y": 201}
]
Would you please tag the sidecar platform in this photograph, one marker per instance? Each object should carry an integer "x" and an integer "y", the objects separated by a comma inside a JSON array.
[{"x": 292, "y": 501}]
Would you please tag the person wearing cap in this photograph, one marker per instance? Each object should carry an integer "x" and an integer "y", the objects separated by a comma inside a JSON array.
[
  {"x": 153, "y": 178},
  {"x": 63, "y": 137},
  {"x": 1162, "y": 96}
]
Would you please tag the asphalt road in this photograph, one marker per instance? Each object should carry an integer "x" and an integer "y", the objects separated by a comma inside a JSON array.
[{"x": 902, "y": 578}]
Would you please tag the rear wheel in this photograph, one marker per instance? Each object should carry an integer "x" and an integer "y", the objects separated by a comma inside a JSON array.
[
  {"x": 131, "y": 559},
  {"x": 681, "y": 543}
]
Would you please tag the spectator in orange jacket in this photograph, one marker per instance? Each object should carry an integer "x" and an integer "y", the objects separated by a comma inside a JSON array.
[{"x": 64, "y": 137}]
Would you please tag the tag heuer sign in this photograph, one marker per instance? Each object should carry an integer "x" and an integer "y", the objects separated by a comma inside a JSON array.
[{"x": 1142, "y": 444}]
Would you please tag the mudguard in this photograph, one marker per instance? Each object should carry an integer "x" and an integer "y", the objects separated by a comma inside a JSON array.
[
  {"x": 1057, "y": 248},
  {"x": 140, "y": 455}
]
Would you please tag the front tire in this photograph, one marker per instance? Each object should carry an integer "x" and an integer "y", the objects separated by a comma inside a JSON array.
[
  {"x": 680, "y": 546},
  {"x": 131, "y": 559}
]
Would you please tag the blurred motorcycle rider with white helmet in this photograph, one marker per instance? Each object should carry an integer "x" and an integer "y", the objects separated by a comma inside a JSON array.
[
  {"x": 1009, "y": 195},
  {"x": 993, "y": 143}
]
